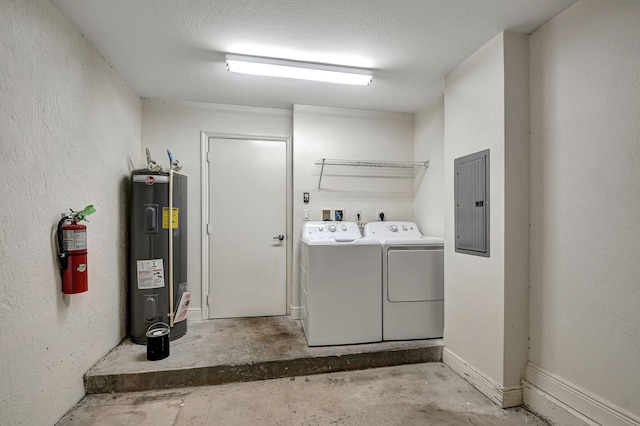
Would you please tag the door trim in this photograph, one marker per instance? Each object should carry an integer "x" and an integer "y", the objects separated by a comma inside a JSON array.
[{"x": 204, "y": 215}]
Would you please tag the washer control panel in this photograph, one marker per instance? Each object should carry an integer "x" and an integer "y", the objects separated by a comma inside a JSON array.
[
  {"x": 330, "y": 230},
  {"x": 392, "y": 230}
]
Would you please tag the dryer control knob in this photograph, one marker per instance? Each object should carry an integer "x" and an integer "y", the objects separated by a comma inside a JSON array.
[
  {"x": 404, "y": 227},
  {"x": 320, "y": 228},
  {"x": 344, "y": 227},
  {"x": 332, "y": 228},
  {"x": 393, "y": 228}
]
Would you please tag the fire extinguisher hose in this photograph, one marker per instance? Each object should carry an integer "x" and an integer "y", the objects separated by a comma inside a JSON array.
[{"x": 62, "y": 253}]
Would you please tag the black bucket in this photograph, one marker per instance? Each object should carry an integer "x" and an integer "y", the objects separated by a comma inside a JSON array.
[{"x": 158, "y": 341}]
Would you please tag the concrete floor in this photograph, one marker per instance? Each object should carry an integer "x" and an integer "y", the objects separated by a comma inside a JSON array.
[{"x": 417, "y": 394}]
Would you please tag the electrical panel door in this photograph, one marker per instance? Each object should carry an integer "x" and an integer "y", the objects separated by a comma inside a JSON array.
[{"x": 471, "y": 182}]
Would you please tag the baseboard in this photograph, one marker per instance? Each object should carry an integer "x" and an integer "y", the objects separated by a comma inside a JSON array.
[
  {"x": 552, "y": 410},
  {"x": 545, "y": 391},
  {"x": 504, "y": 397},
  {"x": 194, "y": 314},
  {"x": 295, "y": 312}
]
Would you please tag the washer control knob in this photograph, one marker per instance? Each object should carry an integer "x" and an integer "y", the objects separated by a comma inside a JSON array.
[
  {"x": 404, "y": 227},
  {"x": 320, "y": 228},
  {"x": 393, "y": 228},
  {"x": 332, "y": 228},
  {"x": 344, "y": 227}
]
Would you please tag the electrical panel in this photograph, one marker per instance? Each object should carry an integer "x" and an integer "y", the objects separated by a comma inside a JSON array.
[{"x": 471, "y": 193}]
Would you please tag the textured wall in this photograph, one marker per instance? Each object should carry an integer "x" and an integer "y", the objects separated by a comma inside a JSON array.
[
  {"x": 585, "y": 201},
  {"x": 69, "y": 131}
]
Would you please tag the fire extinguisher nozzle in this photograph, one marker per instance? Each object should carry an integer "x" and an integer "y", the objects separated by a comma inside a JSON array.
[{"x": 63, "y": 260}]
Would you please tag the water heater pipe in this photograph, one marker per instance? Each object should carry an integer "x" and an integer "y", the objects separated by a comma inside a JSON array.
[{"x": 171, "y": 247}]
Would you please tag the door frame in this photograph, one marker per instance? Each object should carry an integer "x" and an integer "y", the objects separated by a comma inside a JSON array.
[{"x": 204, "y": 215}]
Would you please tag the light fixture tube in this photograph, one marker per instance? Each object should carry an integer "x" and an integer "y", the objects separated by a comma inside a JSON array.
[{"x": 300, "y": 70}]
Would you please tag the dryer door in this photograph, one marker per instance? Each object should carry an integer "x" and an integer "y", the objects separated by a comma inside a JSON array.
[{"x": 415, "y": 275}]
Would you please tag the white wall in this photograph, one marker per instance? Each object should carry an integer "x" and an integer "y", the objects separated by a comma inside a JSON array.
[
  {"x": 322, "y": 132},
  {"x": 516, "y": 208},
  {"x": 69, "y": 132},
  {"x": 485, "y": 336},
  {"x": 428, "y": 203},
  {"x": 474, "y": 294},
  {"x": 585, "y": 210},
  {"x": 176, "y": 125}
]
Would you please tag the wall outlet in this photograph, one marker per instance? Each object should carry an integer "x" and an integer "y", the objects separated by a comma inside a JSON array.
[
  {"x": 381, "y": 214},
  {"x": 358, "y": 215},
  {"x": 305, "y": 215}
]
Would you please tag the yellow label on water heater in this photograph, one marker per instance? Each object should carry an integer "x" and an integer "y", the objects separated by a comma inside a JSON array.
[{"x": 165, "y": 218}]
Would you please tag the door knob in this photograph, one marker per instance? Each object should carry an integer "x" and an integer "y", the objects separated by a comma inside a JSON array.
[{"x": 279, "y": 237}]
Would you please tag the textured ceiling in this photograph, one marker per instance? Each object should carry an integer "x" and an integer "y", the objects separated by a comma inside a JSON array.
[{"x": 175, "y": 49}]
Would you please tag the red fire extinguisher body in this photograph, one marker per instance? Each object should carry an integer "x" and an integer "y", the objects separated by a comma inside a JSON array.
[{"x": 74, "y": 276}]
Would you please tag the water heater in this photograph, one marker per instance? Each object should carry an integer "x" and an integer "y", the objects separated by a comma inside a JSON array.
[{"x": 158, "y": 252}]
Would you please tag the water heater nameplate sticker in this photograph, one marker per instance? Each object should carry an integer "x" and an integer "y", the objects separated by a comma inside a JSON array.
[
  {"x": 165, "y": 218},
  {"x": 150, "y": 274},
  {"x": 183, "y": 307}
]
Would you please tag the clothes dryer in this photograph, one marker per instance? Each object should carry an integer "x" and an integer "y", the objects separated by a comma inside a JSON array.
[
  {"x": 412, "y": 281},
  {"x": 340, "y": 288}
]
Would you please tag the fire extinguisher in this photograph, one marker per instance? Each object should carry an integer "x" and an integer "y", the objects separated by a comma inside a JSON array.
[{"x": 72, "y": 251}]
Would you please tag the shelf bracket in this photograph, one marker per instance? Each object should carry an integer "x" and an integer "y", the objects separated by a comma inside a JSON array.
[{"x": 321, "y": 171}]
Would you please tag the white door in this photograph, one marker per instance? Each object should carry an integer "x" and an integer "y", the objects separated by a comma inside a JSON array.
[{"x": 247, "y": 224}]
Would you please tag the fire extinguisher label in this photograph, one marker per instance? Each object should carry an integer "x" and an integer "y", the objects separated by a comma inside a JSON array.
[
  {"x": 150, "y": 274},
  {"x": 74, "y": 239}
]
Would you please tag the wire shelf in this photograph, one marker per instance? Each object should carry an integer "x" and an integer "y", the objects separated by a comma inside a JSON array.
[
  {"x": 371, "y": 163},
  {"x": 368, "y": 163}
]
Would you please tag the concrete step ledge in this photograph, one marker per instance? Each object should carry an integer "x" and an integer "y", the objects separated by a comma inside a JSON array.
[
  {"x": 221, "y": 374},
  {"x": 241, "y": 350}
]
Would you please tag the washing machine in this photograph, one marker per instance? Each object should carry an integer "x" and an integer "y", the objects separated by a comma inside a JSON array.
[
  {"x": 412, "y": 281},
  {"x": 340, "y": 288}
]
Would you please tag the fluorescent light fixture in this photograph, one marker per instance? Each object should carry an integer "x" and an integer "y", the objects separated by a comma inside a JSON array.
[{"x": 300, "y": 70}]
